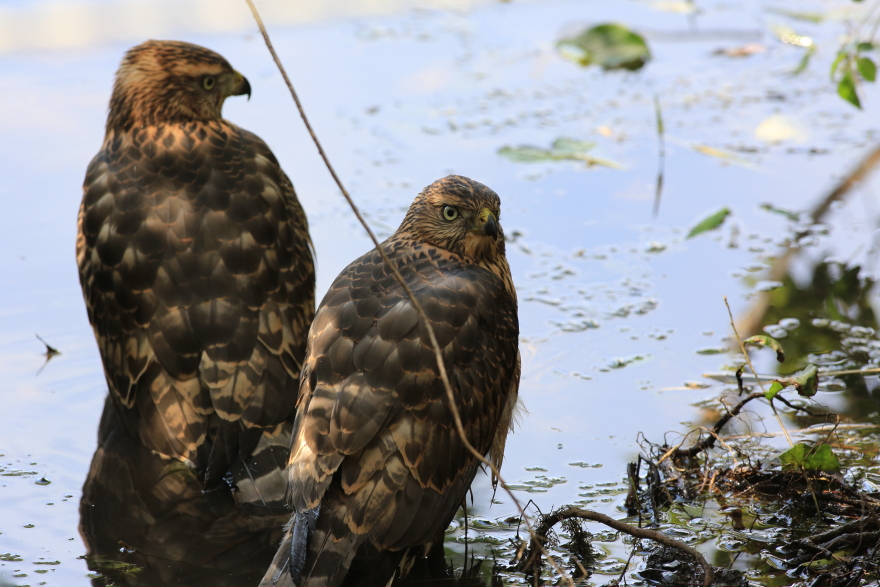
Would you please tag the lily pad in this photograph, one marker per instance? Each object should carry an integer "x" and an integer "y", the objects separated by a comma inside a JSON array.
[
  {"x": 562, "y": 149},
  {"x": 611, "y": 46}
]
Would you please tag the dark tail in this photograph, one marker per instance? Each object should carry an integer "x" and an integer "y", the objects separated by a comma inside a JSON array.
[
  {"x": 286, "y": 569},
  {"x": 317, "y": 550}
]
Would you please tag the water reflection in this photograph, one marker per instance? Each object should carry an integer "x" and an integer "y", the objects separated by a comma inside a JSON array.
[
  {"x": 145, "y": 521},
  {"x": 817, "y": 316},
  {"x": 827, "y": 320}
]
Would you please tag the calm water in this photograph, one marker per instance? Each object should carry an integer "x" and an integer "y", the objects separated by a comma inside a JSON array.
[{"x": 618, "y": 311}]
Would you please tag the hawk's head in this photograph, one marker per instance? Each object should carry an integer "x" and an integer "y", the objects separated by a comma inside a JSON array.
[
  {"x": 459, "y": 215},
  {"x": 166, "y": 82}
]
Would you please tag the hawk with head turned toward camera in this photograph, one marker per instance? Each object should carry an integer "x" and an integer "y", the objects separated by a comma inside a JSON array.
[
  {"x": 196, "y": 266},
  {"x": 377, "y": 465}
]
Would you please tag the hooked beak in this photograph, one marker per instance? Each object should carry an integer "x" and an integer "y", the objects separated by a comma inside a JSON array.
[
  {"x": 243, "y": 87},
  {"x": 487, "y": 224}
]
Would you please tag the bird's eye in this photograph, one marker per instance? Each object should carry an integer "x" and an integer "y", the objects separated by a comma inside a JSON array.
[
  {"x": 208, "y": 82},
  {"x": 450, "y": 213}
]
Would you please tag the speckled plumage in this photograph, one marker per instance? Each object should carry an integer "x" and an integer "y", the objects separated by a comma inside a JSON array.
[
  {"x": 196, "y": 268},
  {"x": 376, "y": 463}
]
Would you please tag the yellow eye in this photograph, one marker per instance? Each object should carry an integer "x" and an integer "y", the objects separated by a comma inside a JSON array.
[
  {"x": 208, "y": 82},
  {"x": 450, "y": 213}
]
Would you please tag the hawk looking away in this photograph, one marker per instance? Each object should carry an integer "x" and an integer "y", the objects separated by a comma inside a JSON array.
[{"x": 196, "y": 267}]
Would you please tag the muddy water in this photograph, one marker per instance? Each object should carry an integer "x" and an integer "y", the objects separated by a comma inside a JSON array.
[{"x": 618, "y": 310}]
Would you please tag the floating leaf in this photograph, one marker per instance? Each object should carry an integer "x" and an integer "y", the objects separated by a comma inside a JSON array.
[
  {"x": 720, "y": 154},
  {"x": 713, "y": 221},
  {"x": 610, "y": 46},
  {"x": 775, "y": 388},
  {"x": 867, "y": 68},
  {"x": 793, "y": 216},
  {"x": 562, "y": 149},
  {"x": 767, "y": 341},
  {"x": 846, "y": 89}
]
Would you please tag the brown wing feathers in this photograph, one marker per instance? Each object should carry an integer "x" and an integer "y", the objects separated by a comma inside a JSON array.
[
  {"x": 376, "y": 462},
  {"x": 196, "y": 266}
]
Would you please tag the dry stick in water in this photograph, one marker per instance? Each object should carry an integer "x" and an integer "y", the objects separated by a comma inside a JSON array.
[
  {"x": 450, "y": 396},
  {"x": 709, "y": 441},
  {"x": 558, "y": 516}
]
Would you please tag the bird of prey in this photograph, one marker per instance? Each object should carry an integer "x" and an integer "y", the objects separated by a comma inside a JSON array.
[
  {"x": 376, "y": 463},
  {"x": 196, "y": 266}
]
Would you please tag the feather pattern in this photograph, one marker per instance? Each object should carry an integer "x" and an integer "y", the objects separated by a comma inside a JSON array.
[
  {"x": 196, "y": 265},
  {"x": 374, "y": 443}
]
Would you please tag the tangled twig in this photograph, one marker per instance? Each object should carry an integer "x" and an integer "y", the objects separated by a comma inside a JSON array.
[
  {"x": 708, "y": 442},
  {"x": 532, "y": 559}
]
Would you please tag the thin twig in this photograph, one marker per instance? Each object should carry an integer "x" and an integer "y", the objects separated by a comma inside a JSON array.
[
  {"x": 755, "y": 373},
  {"x": 804, "y": 409},
  {"x": 438, "y": 355},
  {"x": 708, "y": 442}
]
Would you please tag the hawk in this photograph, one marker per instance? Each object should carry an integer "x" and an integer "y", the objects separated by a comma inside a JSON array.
[
  {"x": 376, "y": 463},
  {"x": 196, "y": 266}
]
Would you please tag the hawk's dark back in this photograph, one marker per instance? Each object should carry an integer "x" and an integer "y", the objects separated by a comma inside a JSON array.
[
  {"x": 196, "y": 266},
  {"x": 377, "y": 465}
]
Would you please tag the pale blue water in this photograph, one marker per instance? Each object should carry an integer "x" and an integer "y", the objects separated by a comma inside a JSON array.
[{"x": 399, "y": 99}]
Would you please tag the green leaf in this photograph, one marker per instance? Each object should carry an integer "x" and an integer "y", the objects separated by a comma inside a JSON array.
[
  {"x": 610, "y": 46},
  {"x": 794, "y": 457},
  {"x": 810, "y": 458},
  {"x": 793, "y": 216},
  {"x": 713, "y": 221},
  {"x": 846, "y": 89},
  {"x": 864, "y": 46},
  {"x": 866, "y": 68},
  {"x": 767, "y": 341},
  {"x": 775, "y": 388},
  {"x": 562, "y": 149},
  {"x": 822, "y": 458},
  {"x": 807, "y": 383}
]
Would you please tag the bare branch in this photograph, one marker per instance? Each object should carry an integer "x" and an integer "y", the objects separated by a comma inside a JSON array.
[{"x": 554, "y": 518}]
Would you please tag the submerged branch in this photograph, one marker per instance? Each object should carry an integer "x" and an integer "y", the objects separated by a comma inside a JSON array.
[{"x": 532, "y": 557}]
